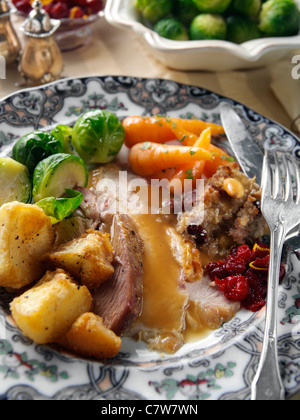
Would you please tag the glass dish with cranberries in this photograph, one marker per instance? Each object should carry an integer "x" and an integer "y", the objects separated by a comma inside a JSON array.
[{"x": 76, "y": 16}]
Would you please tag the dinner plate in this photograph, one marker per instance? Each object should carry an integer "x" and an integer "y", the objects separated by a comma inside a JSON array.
[{"x": 218, "y": 366}]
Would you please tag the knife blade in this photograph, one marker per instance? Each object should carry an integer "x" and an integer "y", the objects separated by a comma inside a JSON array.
[{"x": 246, "y": 151}]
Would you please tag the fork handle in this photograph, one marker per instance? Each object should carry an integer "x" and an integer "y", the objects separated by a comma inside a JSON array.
[{"x": 267, "y": 384}]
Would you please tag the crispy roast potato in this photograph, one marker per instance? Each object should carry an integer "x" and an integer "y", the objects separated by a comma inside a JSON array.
[
  {"x": 25, "y": 236},
  {"x": 87, "y": 258},
  {"x": 90, "y": 338},
  {"x": 47, "y": 311}
]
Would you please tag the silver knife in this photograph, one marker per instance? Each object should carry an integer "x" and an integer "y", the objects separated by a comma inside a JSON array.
[
  {"x": 246, "y": 151},
  {"x": 250, "y": 157}
]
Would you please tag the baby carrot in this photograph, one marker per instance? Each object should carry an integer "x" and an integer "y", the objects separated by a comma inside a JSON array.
[
  {"x": 204, "y": 140},
  {"x": 165, "y": 129},
  {"x": 195, "y": 170},
  {"x": 143, "y": 129},
  {"x": 180, "y": 133},
  {"x": 219, "y": 158},
  {"x": 192, "y": 172},
  {"x": 149, "y": 158},
  {"x": 198, "y": 126}
]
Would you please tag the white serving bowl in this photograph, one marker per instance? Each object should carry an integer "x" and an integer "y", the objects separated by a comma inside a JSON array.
[{"x": 201, "y": 55}]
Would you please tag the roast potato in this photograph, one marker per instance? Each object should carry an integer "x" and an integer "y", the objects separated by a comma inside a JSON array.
[
  {"x": 90, "y": 338},
  {"x": 47, "y": 311},
  {"x": 25, "y": 236},
  {"x": 87, "y": 258}
]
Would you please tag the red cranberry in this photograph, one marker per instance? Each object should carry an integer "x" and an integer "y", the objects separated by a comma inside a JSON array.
[
  {"x": 261, "y": 250},
  {"x": 246, "y": 253},
  {"x": 216, "y": 269},
  {"x": 240, "y": 280},
  {"x": 262, "y": 263},
  {"x": 48, "y": 8},
  {"x": 235, "y": 288},
  {"x": 76, "y": 13},
  {"x": 235, "y": 265},
  {"x": 94, "y": 6},
  {"x": 59, "y": 11},
  {"x": 258, "y": 288},
  {"x": 198, "y": 233},
  {"x": 81, "y": 3},
  {"x": 23, "y": 6}
]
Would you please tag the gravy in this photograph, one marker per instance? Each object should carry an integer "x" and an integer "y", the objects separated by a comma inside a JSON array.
[{"x": 164, "y": 301}]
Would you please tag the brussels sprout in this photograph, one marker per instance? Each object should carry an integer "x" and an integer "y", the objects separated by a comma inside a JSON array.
[
  {"x": 56, "y": 173},
  {"x": 64, "y": 134},
  {"x": 208, "y": 26},
  {"x": 241, "y": 29},
  {"x": 15, "y": 182},
  {"x": 154, "y": 10},
  {"x": 34, "y": 147},
  {"x": 212, "y": 6},
  {"x": 98, "y": 136},
  {"x": 172, "y": 29},
  {"x": 249, "y": 8},
  {"x": 279, "y": 18},
  {"x": 185, "y": 11}
]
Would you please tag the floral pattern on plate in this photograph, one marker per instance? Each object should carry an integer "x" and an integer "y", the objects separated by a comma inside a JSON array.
[{"x": 221, "y": 365}]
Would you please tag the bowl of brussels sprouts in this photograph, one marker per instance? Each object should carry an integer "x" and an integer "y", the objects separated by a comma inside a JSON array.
[{"x": 212, "y": 35}]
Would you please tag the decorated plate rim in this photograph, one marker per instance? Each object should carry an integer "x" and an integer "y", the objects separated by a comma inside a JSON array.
[{"x": 166, "y": 368}]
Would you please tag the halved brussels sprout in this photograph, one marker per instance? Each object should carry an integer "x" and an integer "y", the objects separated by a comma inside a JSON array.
[
  {"x": 212, "y": 6},
  {"x": 55, "y": 174},
  {"x": 15, "y": 182},
  {"x": 208, "y": 26},
  {"x": 279, "y": 18},
  {"x": 98, "y": 136},
  {"x": 172, "y": 29},
  {"x": 249, "y": 8},
  {"x": 241, "y": 29},
  {"x": 33, "y": 147},
  {"x": 154, "y": 10}
]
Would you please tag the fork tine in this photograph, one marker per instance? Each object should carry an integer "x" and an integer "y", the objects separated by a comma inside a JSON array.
[
  {"x": 267, "y": 176},
  {"x": 297, "y": 179},
  {"x": 277, "y": 180},
  {"x": 288, "y": 192}
]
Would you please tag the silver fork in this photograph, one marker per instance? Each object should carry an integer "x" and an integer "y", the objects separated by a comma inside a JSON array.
[{"x": 281, "y": 209}]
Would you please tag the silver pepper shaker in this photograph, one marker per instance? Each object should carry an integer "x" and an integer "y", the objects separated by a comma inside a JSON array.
[{"x": 41, "y": 60}]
